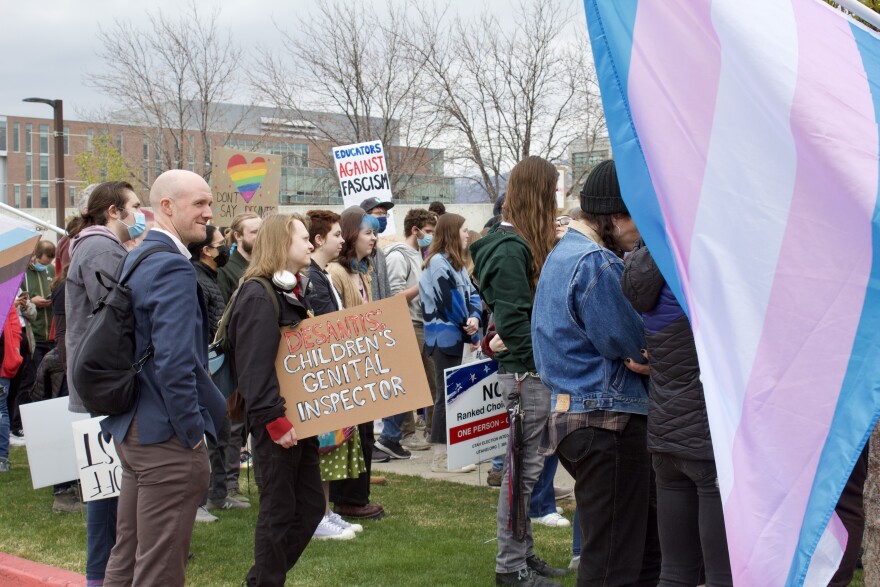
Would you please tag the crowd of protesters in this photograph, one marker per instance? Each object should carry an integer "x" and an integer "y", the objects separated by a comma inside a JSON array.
[{"x": 596, "y": 363}]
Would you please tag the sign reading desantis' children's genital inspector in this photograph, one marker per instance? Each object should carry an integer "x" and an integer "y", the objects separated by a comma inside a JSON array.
[
  {"x": 362, "y": 172},
  {"x": 351, "y": 366},
  {"x": 244, "y": 182}
]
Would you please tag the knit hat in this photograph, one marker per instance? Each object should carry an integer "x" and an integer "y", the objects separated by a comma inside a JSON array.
[{"x": 601, "y": 191}]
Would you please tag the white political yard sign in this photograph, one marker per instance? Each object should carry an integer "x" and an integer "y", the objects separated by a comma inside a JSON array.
[
  {"x": 362, "y": 172},
  {"x": 100, "y": 472},
  {"x": 50, "y": 450},
  {"x": 476, "y": 416}
]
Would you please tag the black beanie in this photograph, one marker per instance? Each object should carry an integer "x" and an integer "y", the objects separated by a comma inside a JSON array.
[{"x": 601, "y": 191}]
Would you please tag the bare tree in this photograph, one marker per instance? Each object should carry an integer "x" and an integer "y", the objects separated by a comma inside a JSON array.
[
  {"x": 168, "y": 77},
  {"x": 348, "y": 60},
  {"x": 508, "y": 94}
]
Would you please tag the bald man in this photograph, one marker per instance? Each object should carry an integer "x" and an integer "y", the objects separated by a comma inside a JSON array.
[{"x": 161, "y": 440}]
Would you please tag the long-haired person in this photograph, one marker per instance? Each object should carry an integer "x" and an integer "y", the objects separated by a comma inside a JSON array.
[
  {"x": 291, "y": 500},
  {"x": 585, "y": 332},
  {"x": 112, "y": 217},
  {"x": 345, "y": 461},
  {"x": 507, "y": 265},
  {"x": 451, "y": 309},
  {"x": 350, "y": 274}
]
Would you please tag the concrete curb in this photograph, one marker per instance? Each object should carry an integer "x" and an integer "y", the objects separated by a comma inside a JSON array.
[{"x": 18, "y": 572}]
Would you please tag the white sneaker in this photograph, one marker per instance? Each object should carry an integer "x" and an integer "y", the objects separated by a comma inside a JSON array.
[
  {"x": 553, "y": 520},
  {"x": 16, "y": 440},
  {"x": 204, "y": 516},
  {"x": 575, "y": 563},
  {"x": 327, "y": 530},
  {"x": 559, "y": 510},
  {"x": 337, "y": 519}
]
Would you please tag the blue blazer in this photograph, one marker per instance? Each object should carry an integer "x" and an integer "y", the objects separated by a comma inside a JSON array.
[{"x": 176, "y": 396}]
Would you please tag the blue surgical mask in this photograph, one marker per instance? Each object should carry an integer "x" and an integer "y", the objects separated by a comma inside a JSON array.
[
  {"x": 139, "y": 227},
  {"x": 383, "y": 224},
  {"x": 425, "y": 241},
  {"x": 40, "y": 267}
]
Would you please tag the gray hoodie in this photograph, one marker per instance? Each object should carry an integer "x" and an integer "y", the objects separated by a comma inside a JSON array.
[
  {"x": 94, "y": 249},
  {"x": 404, "y": 265}
]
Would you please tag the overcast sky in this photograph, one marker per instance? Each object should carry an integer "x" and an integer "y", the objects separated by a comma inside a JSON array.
[{"x": 49, "y": 45}]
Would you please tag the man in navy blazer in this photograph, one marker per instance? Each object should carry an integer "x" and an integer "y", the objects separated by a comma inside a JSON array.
[{"x": 161, "y": 440}]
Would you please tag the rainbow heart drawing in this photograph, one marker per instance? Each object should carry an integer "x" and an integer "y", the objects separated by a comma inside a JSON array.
[{"x": 247, "y": 177}]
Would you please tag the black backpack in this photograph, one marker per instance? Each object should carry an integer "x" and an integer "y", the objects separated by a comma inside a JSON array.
[{"x": 104, "y": 369}]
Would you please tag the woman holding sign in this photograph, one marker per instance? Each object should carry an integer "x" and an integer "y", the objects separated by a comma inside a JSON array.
[
  {"x": 291, "y": 500},
  {"x": 451, "y": 308},
  {"x": 351, "y": 278},
  {"x": 345, "y": 460}
]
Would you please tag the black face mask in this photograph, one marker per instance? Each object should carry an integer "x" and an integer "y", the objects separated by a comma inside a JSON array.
[{"x": 222, "y": 255}]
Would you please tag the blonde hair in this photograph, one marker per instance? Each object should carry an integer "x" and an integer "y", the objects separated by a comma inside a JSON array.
[
  {"x": 530, "y": 206},
  {"x": 273, "y": 245},
  {"x": 238, "y": 226}
]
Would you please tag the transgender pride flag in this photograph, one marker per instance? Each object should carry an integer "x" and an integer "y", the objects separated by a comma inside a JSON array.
[
  {"x": 746, "y": 139},
  {"x": 17, "y": 243}
]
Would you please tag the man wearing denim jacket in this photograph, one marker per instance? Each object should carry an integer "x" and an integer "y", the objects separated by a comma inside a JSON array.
[{"x": 585, "y": 332}]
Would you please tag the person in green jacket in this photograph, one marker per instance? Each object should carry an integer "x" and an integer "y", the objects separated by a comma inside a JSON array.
[
  {"x": 507, "y": 264},
  {"x": 241, "y": 238}
]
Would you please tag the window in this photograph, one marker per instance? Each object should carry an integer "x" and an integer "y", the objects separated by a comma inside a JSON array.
[
  {"x": 16, "y": 137},
  {"x": 157, "y": 155},
  {"x": 295, "y": 156},
  {"x": 146, "y": 148},
  {"x": 28, "y": 128},
  {"x": 44, "y": 196},
  {"x": 90, "y": 140},
  {"x": 71, "y": 195},
  {"x": 44, "y": 168},
  {"x": 28, "y": 172},
  {"x": 119, "y": 141},
  {"x": 29, "y": 196},
  {"x": 16, "y": 190},
  {"x": 67, "y": 140},
  {"x": 192, "y": 156},
  {"x": 147, "y": 172},
  {"x": 2, "y": 135},
  {"x": 44, "y": 139}
]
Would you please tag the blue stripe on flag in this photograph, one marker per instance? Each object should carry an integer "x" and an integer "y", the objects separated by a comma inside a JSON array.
[
  {"x": 14, "y": 237},
  {"x": 858, "y": 406},
  {"x": 611, "y": 26}
]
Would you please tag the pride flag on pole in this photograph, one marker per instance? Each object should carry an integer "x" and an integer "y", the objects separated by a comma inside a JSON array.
[
  {"x": 17, "y": 243},
  {"x": 745, "y": 134}
]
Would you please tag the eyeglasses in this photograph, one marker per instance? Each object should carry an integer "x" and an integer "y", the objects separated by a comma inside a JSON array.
[{"x": 563, "y": 220}]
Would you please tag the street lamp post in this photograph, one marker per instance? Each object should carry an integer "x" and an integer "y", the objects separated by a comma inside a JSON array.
[{"x": 57, "y": 106}]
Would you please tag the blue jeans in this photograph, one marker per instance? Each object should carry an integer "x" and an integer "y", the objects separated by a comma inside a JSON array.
[
  {"x": 543, "y": 500},
  {"x": 4, "y": 418},
  {"x": 498, "y": 463},
  {"x": 576, "y": 536},
  {"x": 391, "y": 428},
  {"x": 100, "y": 536}
]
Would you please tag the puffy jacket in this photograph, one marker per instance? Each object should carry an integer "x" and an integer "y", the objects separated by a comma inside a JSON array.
[
  {"x": 214, "y": 299},
  {"x": 677, "y": 419}
]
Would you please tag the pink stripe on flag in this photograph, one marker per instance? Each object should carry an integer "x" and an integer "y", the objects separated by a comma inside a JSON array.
[
  {"x": 813, "y": 311},
  {"x": 673, "y": 80}
]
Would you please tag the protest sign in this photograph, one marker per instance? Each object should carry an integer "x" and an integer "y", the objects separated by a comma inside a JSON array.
[
  {"x": 351, "y": 366},
  {"x": 244, "y": 182},
  {"x": 476, "y": 417},
  {"x": 100, "y": 472},
  {"x": 362, "y": 172},
  {"x": 51, "y": 455}
]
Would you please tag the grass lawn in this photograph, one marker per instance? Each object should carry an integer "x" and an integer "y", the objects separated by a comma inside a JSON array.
[{"x": 434, "y": 533}]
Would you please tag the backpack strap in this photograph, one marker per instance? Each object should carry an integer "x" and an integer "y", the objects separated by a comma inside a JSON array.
[
  {"x": 223, "y": 325},
  {"x": 108, "y": 281}
]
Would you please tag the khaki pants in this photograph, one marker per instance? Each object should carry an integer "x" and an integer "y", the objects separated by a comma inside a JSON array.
[{"x": 162, "y": 485}]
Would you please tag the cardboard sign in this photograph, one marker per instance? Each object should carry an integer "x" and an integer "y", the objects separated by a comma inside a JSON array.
[
  {"x": 50, "y": 450},
  {"x": 244, "y": 182},
  {"x": 352, "y": 366},
  {"x": 476, "y": 417},
  {"x": 362, "y": 172},
  {"x": 100, "y": 472}
]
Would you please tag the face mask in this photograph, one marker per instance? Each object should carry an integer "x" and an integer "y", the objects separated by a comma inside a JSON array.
[
  {"x": 40, "y": 267},
  {"x": 139, "y": 227},
  {"x": 383, "y": 224},
  {"x": 222, "y": 255},
  {"x": 425, "y": 241}
]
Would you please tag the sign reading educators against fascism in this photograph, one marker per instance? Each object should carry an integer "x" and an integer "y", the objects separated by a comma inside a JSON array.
[
  {"x": 362, "y": 172},
  {"x": 476, "y": 417},
  {"x": 244, "y": 182},
  {"x": 100, "y": 472},
  {"x": 351, "y": 366}
]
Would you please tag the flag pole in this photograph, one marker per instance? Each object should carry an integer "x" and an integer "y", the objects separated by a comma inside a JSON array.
[{"x": 862, "y": 11}]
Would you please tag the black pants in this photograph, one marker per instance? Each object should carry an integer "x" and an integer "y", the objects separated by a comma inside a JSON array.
[
  {"x": 20, "y": 385},
  {"x": 217, "y": 490},
  {"x": 690, "y": 521},
  {"x": 851, "y": 510},
  {"x": 291, "y": 507},
  {"x": 438, "y": 419},
  {"x": 356, "y": 491},
  {"x": 617, "y": 507}
]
